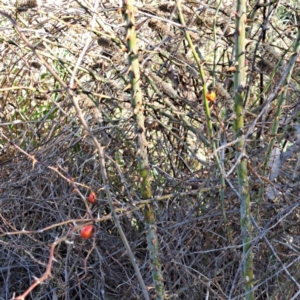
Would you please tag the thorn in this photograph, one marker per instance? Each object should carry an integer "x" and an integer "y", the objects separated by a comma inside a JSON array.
[
  {"x": 34, "y": 161},
  {"x": 231, "y": 69},
  {"x": 69, "y": 242},
  {"x": 128, "y": 87},
  {"x": 124, "y": 49}
]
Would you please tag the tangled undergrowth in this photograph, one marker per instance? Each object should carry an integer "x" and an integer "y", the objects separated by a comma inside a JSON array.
[{"x": 49, "y": 164}]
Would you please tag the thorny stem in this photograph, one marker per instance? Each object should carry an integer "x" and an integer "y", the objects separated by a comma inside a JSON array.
[
  {"x": 244, "y": 192},
  {"x": 206, "y": 106},
  {"x": 99, "y": 148},
  {"x": 279, "y": 106},
  {"x": 128, "y": 11}
]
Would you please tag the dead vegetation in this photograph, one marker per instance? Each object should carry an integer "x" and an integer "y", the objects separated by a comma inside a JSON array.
[{"x": 49, "y": 165}]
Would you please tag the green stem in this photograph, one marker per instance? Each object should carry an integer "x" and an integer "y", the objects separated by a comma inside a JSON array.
[
  {"x": 280, "y": 104},
  {"x": 206, "y": 105},
  {"x": 239, "y": 87},
  {"x": 142, "y": 156}
]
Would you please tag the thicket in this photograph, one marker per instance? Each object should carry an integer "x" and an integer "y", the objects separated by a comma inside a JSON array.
[{"x": 196, "y": 197}]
